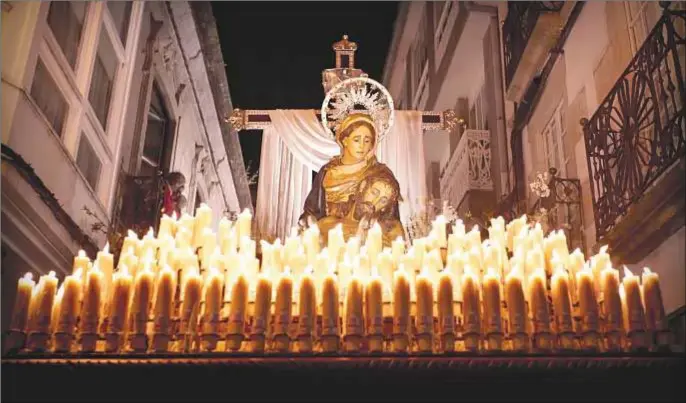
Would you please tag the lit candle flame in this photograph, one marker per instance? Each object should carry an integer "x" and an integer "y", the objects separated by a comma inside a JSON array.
[
  {"x": 82, "y": 253},
  {"x": 603, "y": 249},
  {"x": 646, "y": 270},
  {"x": 52, "y": 274},
  {"x": 28, "y": 276},
  {"x": 106, "y": 249}
]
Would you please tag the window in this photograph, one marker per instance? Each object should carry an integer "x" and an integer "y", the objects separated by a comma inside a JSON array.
[
  {"x": 641, "y": 17},
  {"x": 553, "y": 141},
  {"x": 88, "y": 162},
  {"x": 49, "y": 98},
  {"x": 156, "y": 133},
  {"x": 478, "y": 112},
  {"x": 102, "y": 81},
  {"x": 121, "y": 14},
  {"x": 65, "y": 19}
]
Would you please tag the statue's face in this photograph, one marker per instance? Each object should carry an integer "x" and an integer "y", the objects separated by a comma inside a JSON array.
[{"x": 358, "y": 144}]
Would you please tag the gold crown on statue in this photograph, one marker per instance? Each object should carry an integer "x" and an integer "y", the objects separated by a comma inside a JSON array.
[{"x": 358, "y": 95}]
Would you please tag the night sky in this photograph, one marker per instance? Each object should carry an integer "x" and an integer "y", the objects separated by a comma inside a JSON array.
[{"x": 275, "y": 51}]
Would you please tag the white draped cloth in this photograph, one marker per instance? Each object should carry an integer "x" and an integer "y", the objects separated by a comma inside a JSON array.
[{"x": 296, "y": 145}]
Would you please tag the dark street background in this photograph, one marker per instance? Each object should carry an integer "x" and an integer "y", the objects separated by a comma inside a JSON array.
[{"x": 275, "y": 52}]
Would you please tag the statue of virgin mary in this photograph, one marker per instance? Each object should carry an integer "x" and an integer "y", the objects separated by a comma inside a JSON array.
[{"x": 353, "y": 188}]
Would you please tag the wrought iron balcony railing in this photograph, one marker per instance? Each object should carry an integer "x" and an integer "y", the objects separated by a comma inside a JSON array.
[
  {"x": 517, "y": 28},
  {"x": 469, "y": 167},
  {"x": 561, "y": 209},
  {"x": 638, "y": 131}
]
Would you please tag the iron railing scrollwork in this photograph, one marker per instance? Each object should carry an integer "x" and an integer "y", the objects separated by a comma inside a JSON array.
[
  {"x": 518, "y": 27},
  {"x": 638, "y": 131},
  {"x": 563, "y": 209}
]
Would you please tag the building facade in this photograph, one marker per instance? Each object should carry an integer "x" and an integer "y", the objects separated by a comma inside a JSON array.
[
  {"x": 101, "y": 102},
  {"x": 588, "y": 93}
]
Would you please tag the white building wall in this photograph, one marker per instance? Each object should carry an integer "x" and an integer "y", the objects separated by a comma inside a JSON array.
[{"x": 26, "y": 36}]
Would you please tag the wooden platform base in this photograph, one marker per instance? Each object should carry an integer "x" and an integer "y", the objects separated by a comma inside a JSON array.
[{"x": 319, "y": 378}]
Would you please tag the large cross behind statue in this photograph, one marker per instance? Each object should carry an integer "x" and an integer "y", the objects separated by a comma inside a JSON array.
[{"x": 282, "y": 184}]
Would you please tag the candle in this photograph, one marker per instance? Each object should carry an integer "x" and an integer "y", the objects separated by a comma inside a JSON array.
[
  {"x": 70, "y": 303},
  {"x": 345, "y": 271},
  {"x": 81, "y": 261},
  {"x": 612, "y": 303},
  {"x": 385, "y": 268},
  {"x": 439, "y": 228},
  {"x": 229, "y": 243},
  {"x": 446, "y": 313},
  {"x": 598, "y": 263},
  {"x": 352, "y": 247},
  {"x": 330, "y": 312},
  {"x": 513, "y": 229},
  {"x": 105, "y": 262},
  {"x": 634, "y": 304},
  {"x": 131, "y": 242},
  {"x": 588, "y": 304},
  {"x": 540, "y": 314},
  {"x": 311, "y": 243},
  {"x": 434, "y": 264},
  {"x": 164, "y": 304},
  {"x": 167, "y": 225},
  {"x": 41, "y": 311},
  {"x": 336, "y": 243},
  {"x": 535, "y": 260},
  {"x": 354, "y": 320},
  {"x": 211, "y": 309},
  {"x": 397, "y": 249},
  {"x": 22, "y": 301},
  {"x": 471, "y": 308},
  {"x": 224, "y": 229},
  {"x": 237, "y": 311},
  {"x": 574, "y": 264},
  {"x": 119, "y": 303},
  {"x": 562, "y": 303},
  {"x": 149, "y": 244},
  {"x": 401, "y": 309},
  {"x": 208, "y": 244},
  {"x": 516, "y": 307},
  {"x": 491, "y": 308},
  {"x": 652, "y": 296},
  {"x": 263, "y": 304},
  {"x": 283, "y": 310},
  {"x": 473, "y": 238},
  {"x": 307, "y": 310},
  {"x": 425, "y": 303},
  {"x": 244, "y": 224},
  {"x": 536, "y": 236},
  {"x": 496, "y": 232},
  {"x": 374, "y": 310},
  {"x": 192, "y": 287},
  {"x": 374, "y": 242},
  {"x": 203, "y": 219},
  {"x": 142, "y": 297}
]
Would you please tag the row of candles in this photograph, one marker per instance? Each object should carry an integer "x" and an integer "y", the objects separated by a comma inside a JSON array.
[{"x": 194, "y": 287}]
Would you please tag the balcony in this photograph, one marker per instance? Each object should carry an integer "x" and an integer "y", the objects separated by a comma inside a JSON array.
[
  {"x": 530, "y": 31},
  {"x": 468, "y": 169},
  {"x": 561, "y": 209},
  {"x": 636, "y": 146}
]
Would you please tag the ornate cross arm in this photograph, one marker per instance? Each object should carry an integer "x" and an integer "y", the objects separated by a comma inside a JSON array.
[{"x": 241, "y": 119}]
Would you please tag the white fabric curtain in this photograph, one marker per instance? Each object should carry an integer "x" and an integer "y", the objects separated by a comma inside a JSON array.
[
  {"x": 402, "y": 150},
  {"x": 296, "y": 144}
]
